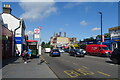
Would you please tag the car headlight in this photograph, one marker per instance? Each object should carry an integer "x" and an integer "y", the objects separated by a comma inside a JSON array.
[
  {"x": 84, "y": 51},
  {"x": 78, "y": 53}
]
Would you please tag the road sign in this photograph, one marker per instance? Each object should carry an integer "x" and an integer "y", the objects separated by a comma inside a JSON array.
[
  {"x": 36, "y": 31},
  {"x": 36, "y": 36}
]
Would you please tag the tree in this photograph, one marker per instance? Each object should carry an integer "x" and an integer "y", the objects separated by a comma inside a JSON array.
[
  {"x": 107, "y": 35},
  {"x": 89, "y": 39},
  {"x": 98, "y": 36},
  {"x": 43, "y": 44}
]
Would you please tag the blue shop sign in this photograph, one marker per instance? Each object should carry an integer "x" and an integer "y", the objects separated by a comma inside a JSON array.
[{"x": 18, "y": 40}]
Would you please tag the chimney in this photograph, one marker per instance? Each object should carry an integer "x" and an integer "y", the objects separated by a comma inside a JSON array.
[
  {"x": 7, "y": 9},
  {"x": 64, "y": 34},
  {"x": 60, "y": 34}
]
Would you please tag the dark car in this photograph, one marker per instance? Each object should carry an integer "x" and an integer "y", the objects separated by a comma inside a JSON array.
[
  {"x": 66, "y": 50},
  {"x": 55, "y": 52},
  {"x": 77, "y": 52},
  {"x": 115, "y": 56}
]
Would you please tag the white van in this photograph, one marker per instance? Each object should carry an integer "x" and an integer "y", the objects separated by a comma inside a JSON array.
[{"x": 47, "y": 50}]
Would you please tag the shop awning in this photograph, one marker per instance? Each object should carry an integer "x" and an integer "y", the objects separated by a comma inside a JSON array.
[{"x": 31, "y": 41}]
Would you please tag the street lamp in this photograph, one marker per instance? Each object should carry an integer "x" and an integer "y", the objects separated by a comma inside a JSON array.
[{"x": 101, "y": 27}]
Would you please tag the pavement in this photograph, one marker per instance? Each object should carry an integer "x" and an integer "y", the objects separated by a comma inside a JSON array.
[{"x": 33, "y": 69}]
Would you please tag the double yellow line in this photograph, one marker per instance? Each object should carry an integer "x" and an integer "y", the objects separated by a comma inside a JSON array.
[
  {"x": 43, "y": 59},
  {"x": 103, "y": 73}
]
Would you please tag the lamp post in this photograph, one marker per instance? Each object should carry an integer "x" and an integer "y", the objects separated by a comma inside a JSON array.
[{"x": 101, "y": 27}]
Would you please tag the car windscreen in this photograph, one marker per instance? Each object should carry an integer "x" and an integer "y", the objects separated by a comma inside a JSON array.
[
  {"x": 105, "y": 48},
  {"x": 79, "y": 50},
  {"x": 55, "y": 50}
]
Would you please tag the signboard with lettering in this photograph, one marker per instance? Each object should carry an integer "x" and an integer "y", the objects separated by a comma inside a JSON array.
[
  {"x": 36, "y": 31},
  {"x": 18, "y": 40},
  {"x": 36, "y": 35}
]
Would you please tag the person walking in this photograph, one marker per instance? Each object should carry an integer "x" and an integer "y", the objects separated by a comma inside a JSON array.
[
  {"x": 29, "y": 54},
  {"x": 25, "y": 56},
  {"x": 17, "y": 52}
]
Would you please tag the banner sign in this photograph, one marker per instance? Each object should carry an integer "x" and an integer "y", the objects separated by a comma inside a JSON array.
[
  {"x": 18, "y": 40},
  {"x": 36, "y": 35},
  {"x": 36, "y": 31}
]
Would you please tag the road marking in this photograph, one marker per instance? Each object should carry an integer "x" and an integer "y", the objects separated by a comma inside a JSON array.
[
  {"x": 112, "y": 64},
  {"x": 43, "y": 59},
  {"x": 77, "y": 72},
  {"x": 72, "y": 73},
  {"x": 85, "y": 67},
  {"x": 103, "y": 73},
  {"x": 75, "y": 64},
  {"x": 85, "y": 72}
]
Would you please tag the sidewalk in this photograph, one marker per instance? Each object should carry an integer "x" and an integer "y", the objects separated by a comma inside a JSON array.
[{"x": 32, "y": 69}]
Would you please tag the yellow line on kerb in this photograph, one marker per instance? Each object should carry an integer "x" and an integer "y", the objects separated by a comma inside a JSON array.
[
  {"x": 103, "y": 73},
  {"x": 43, "y": 59}
]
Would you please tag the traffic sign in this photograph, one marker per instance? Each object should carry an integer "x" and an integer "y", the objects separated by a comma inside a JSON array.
[{"x": 36, "y": 31}]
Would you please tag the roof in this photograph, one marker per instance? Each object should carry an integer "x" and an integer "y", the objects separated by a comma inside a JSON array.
[
  {"x": 11, "y": 15},
  {"x": 31, "y": 41},
  {"x": 114, "y": 28}
]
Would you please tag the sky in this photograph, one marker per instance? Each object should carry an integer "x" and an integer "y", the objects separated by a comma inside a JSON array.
[{"x": 77, "y": 19}]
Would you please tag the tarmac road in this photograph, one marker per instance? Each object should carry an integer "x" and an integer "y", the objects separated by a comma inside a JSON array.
[{"x": 68, "y": 66}]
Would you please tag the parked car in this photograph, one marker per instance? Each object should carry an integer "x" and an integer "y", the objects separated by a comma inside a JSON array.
[
  {"x": 115, "y": 56},
  {"x": 61, "y": 51},
  {"x": 47, "y": 50},
  {"x": 99, "y": 50},
  {"x": 77, "y": 52},
  {"x": 55, "y": 52},
  {"x": 66, "y": 50}
]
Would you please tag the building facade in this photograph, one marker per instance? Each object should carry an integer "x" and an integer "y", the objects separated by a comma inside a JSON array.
[
  {"x": 115, "y": 36},
  {"x": 5, "y": 41},
  {"x": 61, "y": 41},
  {"x": 16, "y": 25}
]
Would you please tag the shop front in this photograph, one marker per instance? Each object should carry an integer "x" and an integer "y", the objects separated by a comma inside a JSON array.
[{"x": 7, "y": 37}]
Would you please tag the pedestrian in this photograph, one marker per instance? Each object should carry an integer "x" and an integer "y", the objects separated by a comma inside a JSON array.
[
  {"x": 17, "y": 52},
  {"x": 25, "y": 56},
  {"x": 29, "y": 54}
]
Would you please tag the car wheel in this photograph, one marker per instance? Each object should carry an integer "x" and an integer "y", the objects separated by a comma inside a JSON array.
[
  {"x": 75, "y": 55},
  {"x": 51, "y": 55},
  {"x": 115, "y": 60},
  {"x": 83, "y": 56},
  {"x": 89, "y": 54},
  {"x": 99, "y": 54}
]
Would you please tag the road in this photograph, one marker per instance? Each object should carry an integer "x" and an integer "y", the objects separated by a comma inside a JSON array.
[{"x": 81, "y": 67}]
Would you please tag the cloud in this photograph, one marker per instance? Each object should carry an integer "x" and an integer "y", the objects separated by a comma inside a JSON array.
[
  {"x": 66, "y": 24},
  {"x": 30, "y": 34},
  {"x": 61, "y": 29},
  {"x": 94, "y": 35},
  {"x": 96, "y": 29},
  {"x": 37, "y": 10},
  {"x": 83, "y": 23},
  {"x": 87, "y": 9},
  {"x": 70, "y": 5}
]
